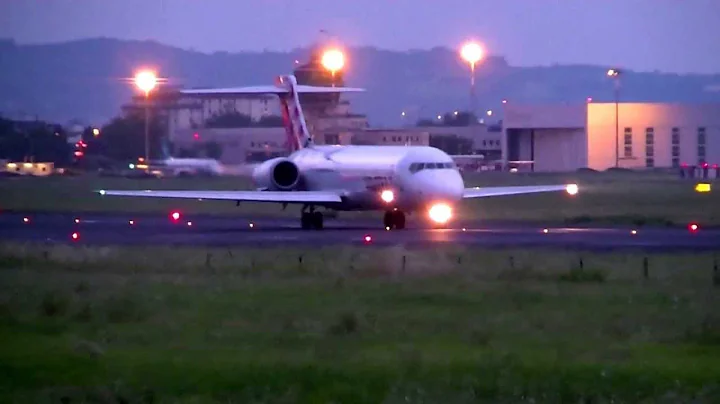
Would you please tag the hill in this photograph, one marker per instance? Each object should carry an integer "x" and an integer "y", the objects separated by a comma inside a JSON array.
[{"x": 85, "y": 79}]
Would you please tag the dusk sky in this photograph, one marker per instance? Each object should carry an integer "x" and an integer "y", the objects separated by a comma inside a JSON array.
[{"x": 667, "y": 35}]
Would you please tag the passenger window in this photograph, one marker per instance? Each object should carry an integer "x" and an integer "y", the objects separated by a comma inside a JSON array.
[{"x": 414, "y": 167}]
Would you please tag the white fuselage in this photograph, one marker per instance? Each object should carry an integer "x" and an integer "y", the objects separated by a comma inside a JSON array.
[
  {"x": 418, "y": 176},
  {"x": 193, "y": 165}
]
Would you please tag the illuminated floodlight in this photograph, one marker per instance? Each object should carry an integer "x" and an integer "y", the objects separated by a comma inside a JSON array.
[
  {"x": 572, "y": 189},
  {"x": 146, "y": 80},
  {"x": 333, "y": 60},
  {"x": 387, "y": 196},
  {"x": 472, "y": 53}
]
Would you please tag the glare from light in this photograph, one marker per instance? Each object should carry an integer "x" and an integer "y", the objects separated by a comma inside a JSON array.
[
  {"x": 472, "y": 53},
  {"x": 387, "y": 228},
  {"x": 175, "y": 216},
  {"x": 26, "y": 220},
  {"x": 96, "y": 132},
  {"x": 77, "y": 220},
  {"x": 146, "y": 80},
  {"x": 489, "y": 112},
  {"x": 633, "y": 232},
  {"x": 387, "y": 196},
  {"x": 440, "y": 213},
  {"x": 75, "y": 236},
  {"x": 333, "y": 60},
  {"x": 189, "y": 224},
  {"x": 693, "y": 227},
  {"x": 572, "y": 189},
  {"x": 368, "y": 239},
  {"x": 131, "y": 222},
  {"x": 546, "y": 231},
  {"x": 703, "y": 187},
  {"x": 252, "y": 225},
  {"x": 613, "y": 72}
]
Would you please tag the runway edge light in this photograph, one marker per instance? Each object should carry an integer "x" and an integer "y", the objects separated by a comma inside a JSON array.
[{"x": 702, "y": 187}]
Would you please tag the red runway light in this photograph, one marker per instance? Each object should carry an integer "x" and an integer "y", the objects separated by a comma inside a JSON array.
[
  {"x": 77, "y": 220},
  {"x": 693, "y": 227},
  {"x": 75, "y": 236},
  {"x": 175, "y": 216},
  {"x": 368, "y": 239},
  {"x": 189, "y": 224},
  {"x": 26, "y": 219}
]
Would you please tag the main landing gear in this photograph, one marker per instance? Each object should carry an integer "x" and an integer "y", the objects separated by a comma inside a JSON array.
[
  {"x": 311, "y": 219},
  {"x": 394, "y": 219}
]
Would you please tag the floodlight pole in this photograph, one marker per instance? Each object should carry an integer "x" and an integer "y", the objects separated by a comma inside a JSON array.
[{"x": 147, "y": 128}]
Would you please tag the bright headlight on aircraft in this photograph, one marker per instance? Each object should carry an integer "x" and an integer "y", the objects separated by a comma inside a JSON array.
[
  {"x": 387, "y": 196},
  {"x": 440, "y": 213},
  {"x": 572, "y": 189}
]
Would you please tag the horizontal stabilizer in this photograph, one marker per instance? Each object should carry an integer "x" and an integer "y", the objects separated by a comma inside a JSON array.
[{"x": 238, "y": 91}]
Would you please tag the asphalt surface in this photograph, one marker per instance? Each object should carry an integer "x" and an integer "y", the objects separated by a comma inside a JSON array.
[{"x": 207, "y": 230}]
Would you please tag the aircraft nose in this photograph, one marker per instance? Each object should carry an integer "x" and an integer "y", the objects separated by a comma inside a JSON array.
[{"x": 442, "y": 185}]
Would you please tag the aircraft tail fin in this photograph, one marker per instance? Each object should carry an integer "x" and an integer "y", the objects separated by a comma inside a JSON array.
[{"x": 298, "y": 135}]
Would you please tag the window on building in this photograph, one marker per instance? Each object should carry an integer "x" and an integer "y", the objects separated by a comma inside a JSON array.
[
  {"x": 649, "y": 147},
  {"x": 701, "y": 136},
  {"x": 675, "y": 138},
  {"x": 628, "y": 142}
]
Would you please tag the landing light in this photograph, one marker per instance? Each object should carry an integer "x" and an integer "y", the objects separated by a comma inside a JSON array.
[
  {"x": 572, "y": 189},
  {"x": 440, "y": 213},
  {"x": 387, "y": 196}
]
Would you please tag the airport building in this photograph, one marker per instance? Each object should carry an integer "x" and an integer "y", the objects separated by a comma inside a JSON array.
[{"x": 550, "y": 138}]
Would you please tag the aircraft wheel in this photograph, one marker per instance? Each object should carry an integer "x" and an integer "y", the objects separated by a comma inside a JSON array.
[
  {"x": 317, "y": 220},
  {"x": 399, "y": 220},
  {"x": 306, "y": 221}
]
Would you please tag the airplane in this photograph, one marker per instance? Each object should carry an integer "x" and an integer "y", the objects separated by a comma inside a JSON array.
[{"x": 396, "y": 180}]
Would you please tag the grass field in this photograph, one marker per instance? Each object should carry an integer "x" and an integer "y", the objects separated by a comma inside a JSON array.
[
  {"x": 619, "y": 198},
  {"x": 355, "y": 325}
]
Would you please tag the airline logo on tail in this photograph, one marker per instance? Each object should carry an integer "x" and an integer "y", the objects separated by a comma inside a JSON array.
[{"x": 298, "y": 135}]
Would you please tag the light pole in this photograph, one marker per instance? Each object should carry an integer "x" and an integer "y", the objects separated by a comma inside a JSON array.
[
  {"x": 333, "y": 60},
  {"x": 146, "y": 81},
  {"x": 615, "y": 75},
  {"x": 472, "y": 53}
]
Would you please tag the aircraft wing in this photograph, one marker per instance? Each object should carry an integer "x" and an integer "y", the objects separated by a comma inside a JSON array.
[
  {"x": 249, "y": 196},
  {"x": 269, "y": 90},
  {"x": 484, "y": 192}
]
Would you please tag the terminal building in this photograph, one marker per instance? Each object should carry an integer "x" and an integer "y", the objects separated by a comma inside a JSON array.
[
  {"x": 248, "y": 129},
  {"x": 549, "y": 138}
]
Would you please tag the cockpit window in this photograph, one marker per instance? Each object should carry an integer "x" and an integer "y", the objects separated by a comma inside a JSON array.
[{"x": 415, "y": 167}]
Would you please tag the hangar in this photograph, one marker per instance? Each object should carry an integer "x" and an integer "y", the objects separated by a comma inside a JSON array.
[{"x": 604, "y": 135}]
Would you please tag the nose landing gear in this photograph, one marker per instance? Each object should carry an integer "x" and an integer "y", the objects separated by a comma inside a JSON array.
[{"x": 394, "y": 219}]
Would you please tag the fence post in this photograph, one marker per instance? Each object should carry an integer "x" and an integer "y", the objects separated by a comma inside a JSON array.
[
  {"x": 404, "y": 262},
  {"x": 512, "y": 262},
  {"x": 582, "y": 265},
  {"x": 716, "y": 272},
  {"x": 646, "y": 268}
]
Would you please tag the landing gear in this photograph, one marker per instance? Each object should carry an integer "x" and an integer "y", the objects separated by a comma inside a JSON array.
[
  {"x": 311, "y": 220},
  {"x": 394, "y": 219}
]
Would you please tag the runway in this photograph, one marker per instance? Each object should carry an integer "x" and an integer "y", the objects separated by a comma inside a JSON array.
[{"x": 209, "y": 230}]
